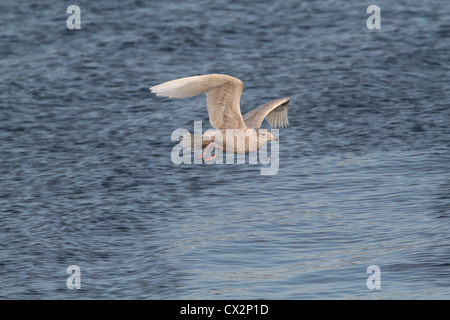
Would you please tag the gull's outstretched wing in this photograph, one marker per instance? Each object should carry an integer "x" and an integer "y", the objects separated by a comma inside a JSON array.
[
  {"x": 223, "y": 95},
  {"x": 275, "y": 112}
]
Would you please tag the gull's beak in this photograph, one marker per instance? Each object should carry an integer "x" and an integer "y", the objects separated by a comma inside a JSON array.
[{"x": 275, "y": 138}]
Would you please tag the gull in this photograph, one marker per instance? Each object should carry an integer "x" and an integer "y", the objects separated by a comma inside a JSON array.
[{"x": 223, "y": 95}]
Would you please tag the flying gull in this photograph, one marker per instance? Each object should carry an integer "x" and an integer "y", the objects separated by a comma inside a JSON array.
[{"x": 223, "y": 95}]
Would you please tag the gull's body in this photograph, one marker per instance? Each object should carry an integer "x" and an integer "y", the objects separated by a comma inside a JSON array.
[{"x": 223, "y": 95}]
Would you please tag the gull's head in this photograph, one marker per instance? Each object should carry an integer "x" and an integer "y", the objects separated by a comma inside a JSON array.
[
  {"x": 272, "y": 137},
  {"x": 265, "y": 135}
]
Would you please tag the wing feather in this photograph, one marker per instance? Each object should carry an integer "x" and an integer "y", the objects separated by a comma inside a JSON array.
[
  {"x": 275, "y": 112},
  {"x": 223, "y": 97}
]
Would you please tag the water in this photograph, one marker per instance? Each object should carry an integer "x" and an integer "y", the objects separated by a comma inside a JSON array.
[{"x": 86, "y": 175}]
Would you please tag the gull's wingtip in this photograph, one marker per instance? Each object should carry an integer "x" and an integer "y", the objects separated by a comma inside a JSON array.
[{"x": 158, "y": 90}]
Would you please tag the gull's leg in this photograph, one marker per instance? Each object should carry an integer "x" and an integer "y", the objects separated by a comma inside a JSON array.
[
  {"x": 211, "y": 157},
  {"x": 204, "y": 152}
]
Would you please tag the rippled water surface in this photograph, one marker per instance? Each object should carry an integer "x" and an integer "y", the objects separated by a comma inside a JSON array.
[{"x": 86, "y": 176}]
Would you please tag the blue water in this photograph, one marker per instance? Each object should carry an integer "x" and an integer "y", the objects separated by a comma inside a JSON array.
[{"x": 86, "y": 176}]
